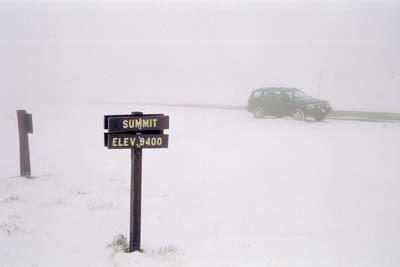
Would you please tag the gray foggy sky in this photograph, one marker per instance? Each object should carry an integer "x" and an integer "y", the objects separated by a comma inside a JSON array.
[{"x": 180, "y": 51}]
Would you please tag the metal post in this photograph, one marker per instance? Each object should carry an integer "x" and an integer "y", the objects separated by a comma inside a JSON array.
[{"x": 24, "y": 126}]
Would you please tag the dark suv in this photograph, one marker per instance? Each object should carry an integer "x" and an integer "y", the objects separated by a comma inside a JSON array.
[{"x": 287, "y": 102}]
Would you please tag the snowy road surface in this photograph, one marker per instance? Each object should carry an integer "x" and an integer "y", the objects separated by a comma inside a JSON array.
[{"x": 229, "y": 191}]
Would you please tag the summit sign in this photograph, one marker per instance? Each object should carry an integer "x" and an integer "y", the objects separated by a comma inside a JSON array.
[
  {"x": 137, "y": 123},
  {"x": 136, "y": 131},
  {"x": 118, "y": 141}
]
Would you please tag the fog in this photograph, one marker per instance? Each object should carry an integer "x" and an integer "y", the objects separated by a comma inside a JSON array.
[
  {"x": 199, "y": 52},
  {"x": 293, "y": 183}
]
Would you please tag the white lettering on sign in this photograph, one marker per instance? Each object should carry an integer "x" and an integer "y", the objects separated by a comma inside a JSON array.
[
  {"x": 139, "y": 123},
  {"x": 127, "y": 142}
]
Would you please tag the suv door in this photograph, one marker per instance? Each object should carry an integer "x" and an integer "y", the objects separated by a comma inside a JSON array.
[
  {"x": 281, "y": 102},
  {"x": 266, "y": 100},
  {"x": 276, "y": 102}
]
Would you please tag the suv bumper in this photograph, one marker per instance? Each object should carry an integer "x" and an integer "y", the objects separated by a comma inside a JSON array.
[{"x": 318, "y": 112}]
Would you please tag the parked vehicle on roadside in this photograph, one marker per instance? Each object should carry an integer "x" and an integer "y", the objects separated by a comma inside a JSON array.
[{"x": 280, "y": 102}]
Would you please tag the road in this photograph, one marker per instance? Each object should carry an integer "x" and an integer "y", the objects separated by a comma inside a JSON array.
[{"x": 335, "y": 114}]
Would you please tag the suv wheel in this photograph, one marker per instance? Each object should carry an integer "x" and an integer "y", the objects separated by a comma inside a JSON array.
[
  {"x": 298, "y": 115},
  {"x": 258, "y": 113}
]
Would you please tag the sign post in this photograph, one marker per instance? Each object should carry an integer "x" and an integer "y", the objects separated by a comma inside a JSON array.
[
  {"x": 136, "y": 197},
  {"x": 136, "y": 200},
  {"x": 25, "y": 126},
  {"x": 135, "y": 132}
]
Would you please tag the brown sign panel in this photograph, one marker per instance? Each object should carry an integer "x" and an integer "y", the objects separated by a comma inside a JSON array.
[
  {"x": 121, "y": 141},
  {"x": 28, "y": 123},
  {"x": 130, "y": 123}
]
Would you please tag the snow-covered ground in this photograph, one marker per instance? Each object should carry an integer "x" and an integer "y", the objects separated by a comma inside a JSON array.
[{"x": 229, "y": 191}]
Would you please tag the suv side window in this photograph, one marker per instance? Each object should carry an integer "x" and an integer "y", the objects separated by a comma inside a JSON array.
[
  {"x": 278, "y": 95},
  {"x": 266, "y": 93},
  {"x": 256, "y": 94}
]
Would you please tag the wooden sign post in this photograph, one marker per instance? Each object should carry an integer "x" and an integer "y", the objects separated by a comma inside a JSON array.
[
  {"x": 25, "y": 126},
  {"x": 135, "y": 132}
]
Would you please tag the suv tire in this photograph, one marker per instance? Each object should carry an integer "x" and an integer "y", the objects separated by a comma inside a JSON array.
[
  {"x": 298, "y": 115},
  {"x": 258, "y": 113}
]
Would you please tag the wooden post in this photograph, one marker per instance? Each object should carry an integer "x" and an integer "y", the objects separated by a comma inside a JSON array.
[
  {"x": 135, "y": 131},
  {"x": 136, "y": 200},
  {"x": 24, "y": 127},
  {"x": 136, "y": 197}
]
